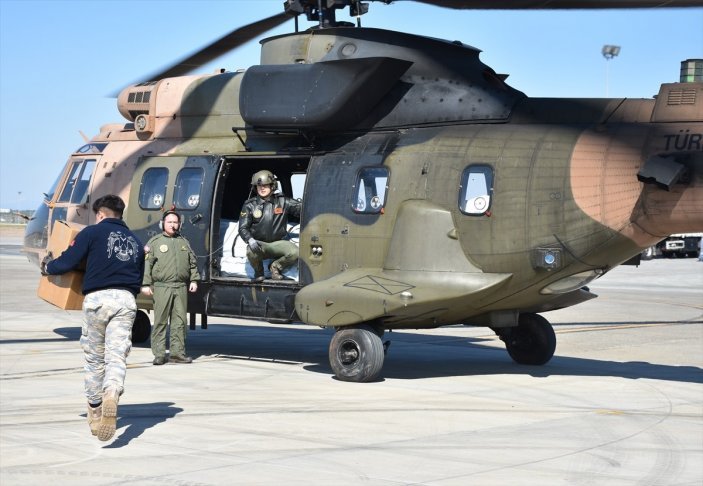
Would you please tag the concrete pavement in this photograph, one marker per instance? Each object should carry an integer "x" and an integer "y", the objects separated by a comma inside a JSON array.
[{"x": 621, "y": 403}]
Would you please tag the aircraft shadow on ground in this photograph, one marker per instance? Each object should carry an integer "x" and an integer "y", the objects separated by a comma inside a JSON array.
[
  {"x": 139, "y": 417},
  {"x": 415, "y": 355},
  {"x": 431, "y": 354}
]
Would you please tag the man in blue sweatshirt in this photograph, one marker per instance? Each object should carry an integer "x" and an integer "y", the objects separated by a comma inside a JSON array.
[{"x": 113, "y": 277}]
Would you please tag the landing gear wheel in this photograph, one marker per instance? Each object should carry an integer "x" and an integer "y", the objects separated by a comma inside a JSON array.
[
  {"x": 532, "y": 342},
  {"x": 356, "y": 354},
  {"x": 648, "y": 254},
  {"x": 141, "y": 328}
]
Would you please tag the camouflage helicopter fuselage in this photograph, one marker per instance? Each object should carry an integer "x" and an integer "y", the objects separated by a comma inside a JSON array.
[{"x": 575, "y": 187}]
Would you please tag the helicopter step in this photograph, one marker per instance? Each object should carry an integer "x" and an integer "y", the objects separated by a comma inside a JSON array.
[{"x": 274, "y": 302}]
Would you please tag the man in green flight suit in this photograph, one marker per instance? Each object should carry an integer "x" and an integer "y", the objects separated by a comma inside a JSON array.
[
  {"x": 263, "y": 226},
  {"x": 170, "y": 272}
]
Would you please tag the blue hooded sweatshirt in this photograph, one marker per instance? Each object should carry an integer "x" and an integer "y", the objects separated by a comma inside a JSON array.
[{"x": 114, "y": 257}]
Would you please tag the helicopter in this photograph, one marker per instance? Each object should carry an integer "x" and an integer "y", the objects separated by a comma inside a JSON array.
[{"x": 433, "y": 193}]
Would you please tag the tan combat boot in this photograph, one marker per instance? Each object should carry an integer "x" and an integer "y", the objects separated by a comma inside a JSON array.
[
  {"x": 94, "y": 415},
  {"x": 108, "y": 421}
]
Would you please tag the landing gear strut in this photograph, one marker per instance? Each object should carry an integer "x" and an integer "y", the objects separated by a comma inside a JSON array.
[
  {"x": 356, "y": 353},
  {"x": 531, "y": 342}
]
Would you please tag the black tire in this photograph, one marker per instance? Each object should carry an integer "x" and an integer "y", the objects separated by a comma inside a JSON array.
[
  {"x": 141, "y": 329},
  {"x": 532, "y": 342},
  {"x": 356, "y": 354}
]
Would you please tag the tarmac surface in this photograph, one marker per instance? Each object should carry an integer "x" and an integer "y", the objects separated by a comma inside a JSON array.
[{"x": 621, "y": 402}]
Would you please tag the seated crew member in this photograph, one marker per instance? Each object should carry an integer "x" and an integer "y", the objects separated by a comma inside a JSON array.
[{"x": 263, "y": 225}]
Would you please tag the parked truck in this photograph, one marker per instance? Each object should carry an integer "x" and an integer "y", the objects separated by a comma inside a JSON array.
[{"x": 680, "y": 245}]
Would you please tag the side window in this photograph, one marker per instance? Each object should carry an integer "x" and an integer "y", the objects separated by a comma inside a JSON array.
[
  {"x": 370, "y": 190},
  {"x": 476, "y": 189},
  {"x": 58, "y": 213},
  {"x": 76, "y": 189},
  {"x": 298, "y": 183},
  {"x": 188, "y": 185},
  {"x": 152, "y": 191}
]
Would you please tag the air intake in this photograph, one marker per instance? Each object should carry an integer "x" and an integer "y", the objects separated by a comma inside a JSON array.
[
  {"x": 137, "y": 100},
  {"x": 681, "y": 97}
]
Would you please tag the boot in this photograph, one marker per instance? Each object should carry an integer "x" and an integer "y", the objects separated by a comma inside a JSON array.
[
  {"x": 258, "y": 266},
  {"x": 180, "y": 358},
  {"x": 276, "y": 272},
  {"x": 108, "y": 421},
  {"x": 94, "y": 416}
]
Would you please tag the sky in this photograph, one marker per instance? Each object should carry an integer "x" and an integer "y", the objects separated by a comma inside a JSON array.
[{"x": 60, "y": 60}]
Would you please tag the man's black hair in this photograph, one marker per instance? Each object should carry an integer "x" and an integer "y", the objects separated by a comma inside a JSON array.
[{"x": 110, "y": 202}]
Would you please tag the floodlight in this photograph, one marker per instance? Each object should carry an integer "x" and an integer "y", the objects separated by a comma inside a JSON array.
[{"x": 610, "y": 52}]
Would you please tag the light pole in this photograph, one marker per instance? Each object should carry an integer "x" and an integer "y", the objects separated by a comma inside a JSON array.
[
  {"x": 19, "y": 202},
  {"x": 608, "y": 52}
]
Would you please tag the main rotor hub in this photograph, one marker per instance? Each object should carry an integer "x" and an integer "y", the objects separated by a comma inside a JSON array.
[{"x": 324, "y": 11}]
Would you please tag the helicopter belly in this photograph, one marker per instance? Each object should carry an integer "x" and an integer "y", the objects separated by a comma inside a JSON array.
[{"x": 417, "y": 298}]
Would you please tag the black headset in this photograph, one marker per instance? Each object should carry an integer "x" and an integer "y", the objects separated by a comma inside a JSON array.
[{"x": 170, "y": 211}]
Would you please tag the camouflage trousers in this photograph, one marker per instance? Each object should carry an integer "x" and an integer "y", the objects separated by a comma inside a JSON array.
[{"x": 106, "y": 339}]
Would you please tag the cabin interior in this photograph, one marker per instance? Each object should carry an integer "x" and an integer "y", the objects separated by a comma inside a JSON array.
[{"x": 233, "y": 190}]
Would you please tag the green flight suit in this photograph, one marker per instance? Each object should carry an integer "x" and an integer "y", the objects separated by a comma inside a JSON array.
[{"x": 170, "y": 267}]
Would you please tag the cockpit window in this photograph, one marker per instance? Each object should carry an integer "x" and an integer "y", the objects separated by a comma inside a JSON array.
[
  {"x": 476, "y": 189},
  {"x": 92, "y": 148},
  {"x": 49, "y": 195},
  {"x": 75, "y": 190},
  {"x": 188, "y": 185},
  {"x": 370, "y": 190},
  {"x": 152, "y": 191}
]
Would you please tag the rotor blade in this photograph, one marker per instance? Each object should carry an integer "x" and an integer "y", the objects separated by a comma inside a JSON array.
[
  {"x": 222, "y": 46},
  {"x": 559, "y": 4}
]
